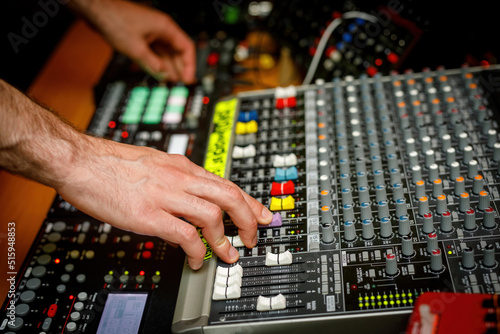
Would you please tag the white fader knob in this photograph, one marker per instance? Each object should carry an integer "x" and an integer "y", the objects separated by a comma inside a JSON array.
[
  {"x": 271, "y": 303},
  {"x": 281, "y": 259}
]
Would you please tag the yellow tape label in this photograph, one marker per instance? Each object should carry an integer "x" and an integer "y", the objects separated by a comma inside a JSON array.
[
  {"x": 218, "y": 146},
  {"x": 220, "y": 139}
]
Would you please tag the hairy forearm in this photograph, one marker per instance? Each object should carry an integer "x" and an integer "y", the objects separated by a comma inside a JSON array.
[{"x": 34, "y": 142}]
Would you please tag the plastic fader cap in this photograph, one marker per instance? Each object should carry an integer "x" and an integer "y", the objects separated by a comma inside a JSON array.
[
  {"x": 227, "y": 284},
  {"x": 236, "y": 241},
  {"x": 271, "y": 303},
  {"x": 244, "y": 152},
  {"x": 285, "y": 160},
  {"x": 278, "y": 204},
  {"x": 225, "y": 281},
  {"x": 281, "y": 259},
  {"x": 226, "y": 292}
]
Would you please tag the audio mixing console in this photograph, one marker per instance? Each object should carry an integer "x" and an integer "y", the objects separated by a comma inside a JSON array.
[{"x": 382, "y": 189}]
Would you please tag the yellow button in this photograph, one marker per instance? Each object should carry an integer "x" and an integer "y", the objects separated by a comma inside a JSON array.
[
  {"x": 252, "y": 127},
  {"x": 241, "y": 128},
  {"x": 275, "y": 204},
  {"x": 289, "y": 203},
  {"x": 278, "y": 204}
]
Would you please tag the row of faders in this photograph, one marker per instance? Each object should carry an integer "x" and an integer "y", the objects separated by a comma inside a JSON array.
[{"x": 382, "y": 189}]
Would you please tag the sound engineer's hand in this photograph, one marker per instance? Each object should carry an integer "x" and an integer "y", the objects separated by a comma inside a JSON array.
[
  {"x": 130, "y": 187},
  {"x": 148, "y": 36}
]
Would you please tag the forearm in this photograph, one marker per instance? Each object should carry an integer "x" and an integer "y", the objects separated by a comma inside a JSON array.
[{"x": 34, "y": 142}]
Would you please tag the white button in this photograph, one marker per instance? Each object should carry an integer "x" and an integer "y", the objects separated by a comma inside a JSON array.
[
  {"x": 236, "y": 241},
  {"x": 107, "y": 228},
  {"x": 291, "y": 91},
  {"x": 82, "y": 296},
  {"x": 249, "y": 151},
  {"x": 231, "y": 271},
  {"x": 78, "y": 306},
  {"x": 223, "y": 293},
  {"x": 271, "y": 303},
  {"x": 238, "y": 152},
  {"x": 280, "y": 92},
  {"x": 279, "y": 161},
  {"x": 280, "y": 259},
  {"x": 75, "y": 316},
  {"x": 291, "y": 160},
  {"x": 71, "y": 327},
  {"x": 225, "y": 281}
]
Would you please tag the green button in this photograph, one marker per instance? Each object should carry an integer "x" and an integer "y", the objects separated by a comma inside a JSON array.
[
  {"x": 140, "y": 91},
  {"x": 175, "y": 109},
  {"x": 152, "y": 118},
  {"x": 131, "y": 119},
  {"x": 153, "y": 111},
  {"x": 156, "y": 103},
  {"x": 180, "y": 91},
  {"x": 159, "y": 92}
]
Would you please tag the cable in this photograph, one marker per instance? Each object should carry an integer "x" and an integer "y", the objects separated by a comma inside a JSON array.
[{"x": 326, "y": 35}]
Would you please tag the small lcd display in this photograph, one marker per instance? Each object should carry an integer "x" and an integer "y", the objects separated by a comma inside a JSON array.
[{"x": 122, "y": 313}]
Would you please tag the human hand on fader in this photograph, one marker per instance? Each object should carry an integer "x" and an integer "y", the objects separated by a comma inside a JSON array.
[
  {"x": 130, "y": 187},
  {"x": 145, "y": 190},
  {"x": 148, "y": 36}
]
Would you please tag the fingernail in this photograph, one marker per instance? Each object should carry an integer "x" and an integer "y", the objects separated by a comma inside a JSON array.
[
  {"x": 233, "y": 254},
  {"x": 267, "y": 215},
  {"x": 254, "y": 241},
  {"x": 196, "y": 266}
]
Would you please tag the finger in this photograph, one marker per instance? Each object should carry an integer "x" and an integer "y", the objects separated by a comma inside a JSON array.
[
  {"x": 263, "y": 215},
  {"x": 208, "y": 217},
  {"x": 179, "y": 232},
  {"x": 230, "y": 199},
  {"x": 171, "y": 34},
  {"x": 151, "y": 62}
]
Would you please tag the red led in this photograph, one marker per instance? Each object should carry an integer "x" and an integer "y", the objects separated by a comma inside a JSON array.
[
  {"x": 371, "y": 71},
  {"x": 378, "y": 62},
  {"x": 354, "y": 287},
  {"x": 71, "y": 297},
  {"x": 485, "y": 64},
  {"x": 146, "y": 254},
  {"x": 392, "y": 58},
  {"x": 213, "y": 59},
  {"x": 112, "y": 124},
  {"x": 149, "y": 245},
  {"x": 57, "y": 261},
  {"x": 124, "y": 134},
  {"x": 206, "y": 100},
  {"x": 142, "y": 273}
]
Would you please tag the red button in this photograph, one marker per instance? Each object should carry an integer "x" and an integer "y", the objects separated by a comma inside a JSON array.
[
  {"x": 279, "y": 188},
  {"x": 52, "y": 311},
  {"x": 280, "y": 103},
  {"x": 149, "y": 245},
  {"x": 291, "y": 102},
  {"x": 146, "y": 254}
]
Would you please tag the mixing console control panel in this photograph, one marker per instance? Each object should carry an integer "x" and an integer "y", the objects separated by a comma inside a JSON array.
[{"x": 382, "y": 189}]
